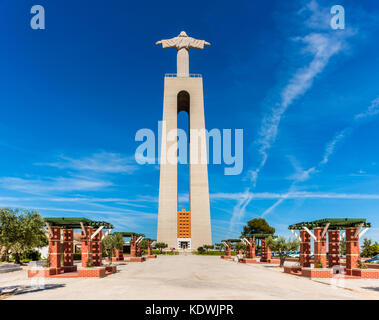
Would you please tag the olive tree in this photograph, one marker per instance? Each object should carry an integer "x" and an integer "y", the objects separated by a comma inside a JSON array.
[
  {"x": 21, "y": 230},
  {"x": 282, "y": 246}
]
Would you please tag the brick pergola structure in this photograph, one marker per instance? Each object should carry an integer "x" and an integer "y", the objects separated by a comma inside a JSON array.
[
  {"x": 228, "y": 247},
  {"x": 250, "y": 241},
  {"x": 135, "y": 251},
  {"x": 331, "y": 228},
  {"x": 61, "y": 243}
]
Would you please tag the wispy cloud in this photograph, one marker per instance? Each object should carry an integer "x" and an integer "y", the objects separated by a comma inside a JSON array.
[
  {"x": 321, "y": 45},
  {"x": 61, "y": 184},
  {"x": 102, "y": 162},
  {"x": 294, "y": 195}
]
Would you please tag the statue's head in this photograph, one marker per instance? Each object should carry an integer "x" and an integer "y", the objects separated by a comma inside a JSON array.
[{"x": 183, "y": 34}]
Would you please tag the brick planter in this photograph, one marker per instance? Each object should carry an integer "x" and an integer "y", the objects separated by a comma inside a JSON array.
[
  {"x": 95, "y": 272},
  {"x": 293, "y": 270},
  {"x": 111, "y": 269},
  {"x": 226, "y": 257},
  {"x": 317, "y": 272},
  {"x": 152, "y": 256},
  {"x": 366, "y": 273}
]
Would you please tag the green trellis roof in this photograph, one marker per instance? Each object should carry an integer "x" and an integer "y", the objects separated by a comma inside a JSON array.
[
  {"x": 73, "y": 223},
  {"x": 334, "y": 224},
  {"x": 261, "y": 235},
  {"x": 232, "y": 240},
  {"x": 129, "y": 234}
]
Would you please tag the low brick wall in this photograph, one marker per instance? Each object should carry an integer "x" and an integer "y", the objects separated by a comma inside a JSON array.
[
  {"x": 366, "y": 273},
  {"x": 247, "y": 260},
  {"x": 91, "y": 272},
  {"x": 137, "y": 259},
  {"x": 226, "y": 257},
  {"x": 317, "y": 272},
  {"x": 153, "y": 256},
  {"x": 292, "y": 270},
  {"x": 111, "y": 269}
]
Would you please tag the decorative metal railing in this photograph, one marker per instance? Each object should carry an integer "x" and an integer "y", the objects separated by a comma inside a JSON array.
[{"x": 175, "y": 75}]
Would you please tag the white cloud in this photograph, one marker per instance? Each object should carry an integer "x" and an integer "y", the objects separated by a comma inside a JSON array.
[
  {"x": 37, "y": 186},
  {"x": 104, "y": 162}
]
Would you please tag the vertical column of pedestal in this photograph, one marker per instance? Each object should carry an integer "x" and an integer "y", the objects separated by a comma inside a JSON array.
[
  {"x": 199, "y": 189},
  {"x": 334, "y": 248},
  {"x": 266, "y": 251},
  {"x": 86, "y": 246},
  {"x": 305, "y": 249},
  {"x": 352, "y": 250},
  {"x": 96, "y": 249},
  {"x": 68, "y": 248},
  {"x": 55, "y": 248},
  {"x": 320, "y": 247},
  {"x": 168, "y": 183}
]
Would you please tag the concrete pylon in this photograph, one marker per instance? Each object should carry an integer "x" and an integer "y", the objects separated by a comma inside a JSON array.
[{"x": 184, "y": 93}]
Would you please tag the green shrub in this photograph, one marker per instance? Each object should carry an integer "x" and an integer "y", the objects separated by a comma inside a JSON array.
[
  {"x": 201, "y": 250},
  {"x": 319, "y": 265},
  {"x": 361, "y": 265},
  {"x": 77, "y": 256},
  {"x": 31, "y": 255}
]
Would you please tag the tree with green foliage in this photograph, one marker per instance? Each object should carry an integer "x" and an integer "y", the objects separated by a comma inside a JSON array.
[
  {"x": 201, "y": 250},
  {"x": 343, "y": 246},
  {"x": 369, "y": 249},
  {"x": 21, "y": 230},
  {"x": 282, "y": 246},
  {"x": 208, "y": 247},
  {"x": 219, "y": 246},
  {"x": 239, "y": 246},
  {"x": 160, "y": 246},
  {"x": 111, "y": 242},
  {"x": 257, "y": 225}
]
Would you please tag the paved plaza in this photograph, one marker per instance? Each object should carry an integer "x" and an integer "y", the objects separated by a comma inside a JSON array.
[{"x": 189, "y": 277}]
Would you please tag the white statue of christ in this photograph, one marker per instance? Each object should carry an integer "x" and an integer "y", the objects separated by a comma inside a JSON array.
[{"x": 183, "y": 43}]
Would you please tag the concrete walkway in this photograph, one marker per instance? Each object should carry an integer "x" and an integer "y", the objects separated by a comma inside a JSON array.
[{"x": 191, "y": 277}]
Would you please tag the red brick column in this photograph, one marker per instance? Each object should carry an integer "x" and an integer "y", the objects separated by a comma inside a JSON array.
[
  {"x": 96, "y": 249},
  {"x": 86, "y": 246},
  {"x": 352, "y": 250},
  {"x": 68, "y": 249},
  {"x": 55, "y": 248},
  {"x": 320, "y": 247},
  {"x": 133, "y": 246},
  {"x": 119, "y": 255},
  {"x": 266, "y": 251},
  {"x": 228, "y": 249},
  {"x": 305, "y": 249},
  {"x": 250, "y": 250},
  {"x": 334, "y": 248},
  {"x": 149, "y": 248}
]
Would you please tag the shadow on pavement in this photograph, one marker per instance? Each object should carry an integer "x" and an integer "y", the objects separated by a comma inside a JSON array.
[{"x": 21, "y": 289}]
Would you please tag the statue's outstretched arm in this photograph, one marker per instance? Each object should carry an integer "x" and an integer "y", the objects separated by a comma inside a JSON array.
[
  {"x": 167, "y": 43},
  {"x": 207, "y": 43}
]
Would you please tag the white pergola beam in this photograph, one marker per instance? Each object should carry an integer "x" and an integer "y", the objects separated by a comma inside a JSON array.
[
  {"x": 83, "y": 229},
  {"x": 96, "y": 232},
  {"x": 106, "y": 234},
  {"x": 49, "y": 229},
  {"x": 325, "y": 229},
  {"x": 295, "y": 234},
  {"x": 342, "y": 235},
  {"x": 363, "y": 232},
  {"x": 358, "y": 229},
  {"x": 225, "y": 244},
  {"x": 310, "y": 233},
  {"x": 139, "y": 239}
]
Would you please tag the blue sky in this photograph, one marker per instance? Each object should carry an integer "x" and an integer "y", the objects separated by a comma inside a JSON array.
[{"x": 73, "y": 96}]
